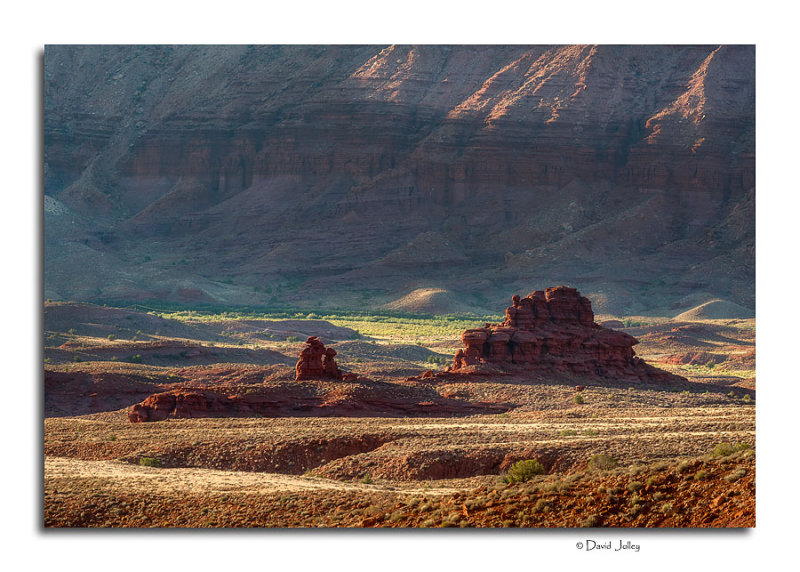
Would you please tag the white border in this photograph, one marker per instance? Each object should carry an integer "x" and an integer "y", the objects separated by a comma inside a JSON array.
[{"x": 29, "y": 26}]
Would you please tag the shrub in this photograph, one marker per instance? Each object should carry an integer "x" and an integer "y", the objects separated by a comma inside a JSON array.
[
  {"x": 725, "y": 449},
  {"x": 292, "y": 339},
  {"x": 735, "y": 475},
  {"x": 567, "y": 432},
  {"x": 603, "y": 462},
  {"x": 150, "y": 462},
  {"x": 635, "y": 486},
  {"x": 522, "y": 471},
  {"x": 367, "y": 479},
  {"x": 111, "y": 337},
  {"x": 637, "y": 469},
  {"x": 578, "y": 399},
  {"x": 135, "y": 359},
  {"x": 590, "y": 521}
]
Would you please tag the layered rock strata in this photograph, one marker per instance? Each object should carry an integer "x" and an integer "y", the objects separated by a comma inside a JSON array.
[
  {"x": 515, "y": 157},
  {"x": 553, "y": 330}
]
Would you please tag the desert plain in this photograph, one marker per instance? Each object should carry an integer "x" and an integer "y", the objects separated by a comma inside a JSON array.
[{"x": 395, "y": 448}]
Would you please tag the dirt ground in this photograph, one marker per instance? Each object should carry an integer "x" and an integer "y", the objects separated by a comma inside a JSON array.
[{"x": 668, "y": 469}]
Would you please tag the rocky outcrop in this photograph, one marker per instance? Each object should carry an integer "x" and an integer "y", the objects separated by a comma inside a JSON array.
[
  {"x": 312, "y": 399},
  {"x": 179, "y": 404},
  {"x": 553, "y": 330},
  {"x": 317, "y": 362}
]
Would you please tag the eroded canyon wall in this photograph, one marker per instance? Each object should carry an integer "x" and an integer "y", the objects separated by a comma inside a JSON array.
[{"x": 235, "y": 173}]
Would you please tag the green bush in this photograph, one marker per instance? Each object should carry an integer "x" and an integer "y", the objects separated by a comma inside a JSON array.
[
  {"x": 292, "y": 339},
  {"x": 522, "y": 471},
  {"x": 578, "y": 399},
  {"x": 725, "y": 449},
  {"x": 150, "y": 462},
  {"x": 602, "y": 462}
]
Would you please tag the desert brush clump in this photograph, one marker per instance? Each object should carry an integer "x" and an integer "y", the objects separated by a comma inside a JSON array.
[
  {"x": 149, "y": 462},
  {"x": 590, "y": 521},
  {"x": 522, "y": 471},
  {"x": 701, "y": 475},
  {"x": 602, "y": 462},
  {"x": 635, "y": 486},
  {"x": 726, "y": 449},
  {"x": 735, "y": 475}
]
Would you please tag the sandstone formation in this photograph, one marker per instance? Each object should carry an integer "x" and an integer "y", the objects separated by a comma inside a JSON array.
[
  {"x": 553, "y": 330},
  {"x": 320, "y": 399},
  {"x": 179, "y": 404},
  {"x": 317, "y": 362}
]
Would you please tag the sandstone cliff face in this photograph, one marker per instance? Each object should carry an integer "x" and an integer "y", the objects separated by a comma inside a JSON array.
[
  {"x": 553, "y": 331},
  {"x": 570, "y": 160}
]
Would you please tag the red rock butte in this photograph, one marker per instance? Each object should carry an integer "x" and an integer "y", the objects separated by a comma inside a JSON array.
[
  {"x": 553, "y": 331},
  {"x": 317, "y": 362}
]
